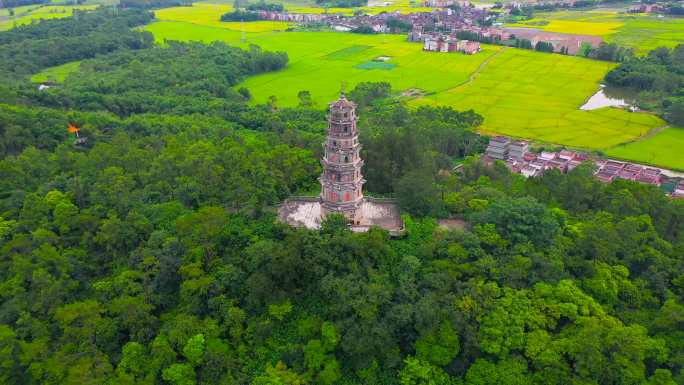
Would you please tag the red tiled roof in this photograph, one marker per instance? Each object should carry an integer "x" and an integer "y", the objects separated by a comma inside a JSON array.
[
  {"x": 648, "y": 179},
  {"x": 605, "y": 177}
]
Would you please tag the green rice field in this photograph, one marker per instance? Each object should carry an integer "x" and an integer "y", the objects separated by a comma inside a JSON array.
[
  {"x": 520, "y": 93},
  {"x": 663, "y": 149}
]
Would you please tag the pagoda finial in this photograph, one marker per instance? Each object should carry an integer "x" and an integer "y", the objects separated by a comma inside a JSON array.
[{"x": 343, "y": 90}]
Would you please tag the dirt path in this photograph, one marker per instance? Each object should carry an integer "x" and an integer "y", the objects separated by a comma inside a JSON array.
[
  {"x": 477, "y": 71},
  {"x": 651, "y": 133}
]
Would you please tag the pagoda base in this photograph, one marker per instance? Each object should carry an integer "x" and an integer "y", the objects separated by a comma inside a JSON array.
[{"x": 309, "y": 212}]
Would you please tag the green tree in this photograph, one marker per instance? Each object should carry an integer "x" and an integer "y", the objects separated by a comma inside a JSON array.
[{"x": 438, "y": 347}]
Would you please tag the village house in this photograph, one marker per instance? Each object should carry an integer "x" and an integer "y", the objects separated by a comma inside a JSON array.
[
  {"x": 519, "y": 160},
  {"x": 517, "y": 149},
  {"x": 446, "y": 43},
  {"x": 498, "y": 147}
]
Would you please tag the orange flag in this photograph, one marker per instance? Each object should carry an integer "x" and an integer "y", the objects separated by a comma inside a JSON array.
[{"x": 72, "y": 129}]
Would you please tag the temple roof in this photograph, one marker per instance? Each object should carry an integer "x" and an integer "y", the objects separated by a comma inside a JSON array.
[{"x": 342, "y": 102}]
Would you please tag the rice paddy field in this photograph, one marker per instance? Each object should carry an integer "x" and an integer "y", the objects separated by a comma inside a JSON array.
[
  {"x": 533, "y": 95},
  {"x": 639, "y": 31},
  {"x": 374, "y": 7},
  {"x": 663, "y": 149},
  {"x": 520, "y": 93},
  {"x": 29, "y": 13}
]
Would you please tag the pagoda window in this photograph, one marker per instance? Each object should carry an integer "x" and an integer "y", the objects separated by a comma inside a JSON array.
[
  {"x": 347, "y": 196},
  {"x": 346, "y": 159}
]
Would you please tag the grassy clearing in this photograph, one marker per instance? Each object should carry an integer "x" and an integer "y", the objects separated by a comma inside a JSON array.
[
  {"x": 662, "y": 149},
  {"x": 520, "y": 93},
  {"x": 55, "y": 74},
  {"x": 26, "y": 15},
  {"x": 641, "y": 32}
]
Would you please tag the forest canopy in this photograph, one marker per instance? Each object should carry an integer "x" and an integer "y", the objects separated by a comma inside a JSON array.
[{"x": 27, "y": 49}]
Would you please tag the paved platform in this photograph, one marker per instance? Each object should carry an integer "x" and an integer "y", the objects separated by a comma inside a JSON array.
[{"x": 307, "y": 212}]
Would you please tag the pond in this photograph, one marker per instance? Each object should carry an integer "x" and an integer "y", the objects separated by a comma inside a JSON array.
[{"x": 609, "y": 97}]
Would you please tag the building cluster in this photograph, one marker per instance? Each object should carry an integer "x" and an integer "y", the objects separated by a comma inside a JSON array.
[
  {"x": 518, "y": 158},
  {"x": 645, "y": 8},
  {"x": 446, "y": 3},
  {"x": 445, "y": 43},
  {"x": 610, "y": 170},
  {"x": 566, "y": 42},
  {"x": 447, "y": 20},
  {"x": 295, "y": 17}
]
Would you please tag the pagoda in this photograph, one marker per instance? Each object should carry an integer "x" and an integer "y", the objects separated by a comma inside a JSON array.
[{"x": 341, "y": 180}]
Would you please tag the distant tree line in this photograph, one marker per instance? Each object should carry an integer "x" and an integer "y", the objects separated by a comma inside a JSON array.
[
  {"x": 474, "y": 36},
  {"x": 676, "y": 9},
  {"x": 398, "y": 25},
  {"x": 658, "y": 78},
  {"x": 262, "y": 5},
  {"x": 153, "y": 4},
  {"x": 606, "y": 52},
  {"x": 544, "y": 46},
  {"x": 342, "y": 3},
  {"x": 239, "y": 15}
]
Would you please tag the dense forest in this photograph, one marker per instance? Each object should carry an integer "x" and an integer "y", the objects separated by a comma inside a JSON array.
[
  {"x": 658, "y": 78},
  {"x": 150, "y": 254},
  {"x": 28, "y": 49},
  {"x": 179, "y": 77}
]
